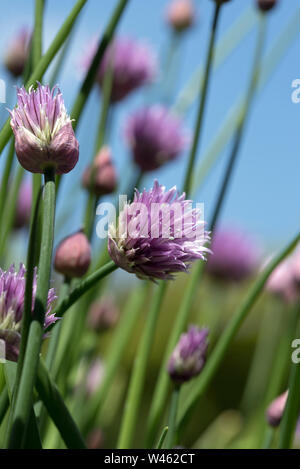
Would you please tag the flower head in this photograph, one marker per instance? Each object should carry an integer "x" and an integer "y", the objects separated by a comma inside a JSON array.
[
  {"x": 158, "y": 234},
  {"x": 132, "y": 63},
  {"x": 103, "y": 314},
  {"x": 181, "y": 15},
  {"x": 73, "y": 255},
  {"x": 43, "y": 131},
  {"x": 155, "y": 136},
  {"x": 100, "y": 178},
  {"x": 17, "y": 52},
  {"x": 189, "y": 355},
  {"x": 12, "y": 291},
  {"x": 284, "y": 281},
  {"x": 235, "y": 256}
]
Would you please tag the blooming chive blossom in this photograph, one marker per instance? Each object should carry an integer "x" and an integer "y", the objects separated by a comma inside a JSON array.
[
  {"x": 12, "y": 292},
  {"x": 17, "y": 53},
  {"x": 155, "y": 136},
  {"x": 158, "y": 235},
  {"x": 189, "y": 355},
  {"x": 133, "y": 65},
  {"x": 235, "y": 256},
  {"x": 43, "y": 131}
]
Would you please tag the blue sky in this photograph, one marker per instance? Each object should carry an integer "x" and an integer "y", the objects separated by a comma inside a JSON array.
[{"x": 265, "y": 191}]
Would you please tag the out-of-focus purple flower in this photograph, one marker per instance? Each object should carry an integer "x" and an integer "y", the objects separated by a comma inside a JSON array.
[
  {"x": 155, "y": 136},
  {"x": 132, "y": 64},
  {"x": 180, "y": 15},
  {"x": 17, "y": 53},
  {"x": 235, "y": 256},
  {"x": 103, "y": 314},
  {"x": 43, "y": 131},
  {"x": 189, "y": 355},
  {"x": 23, "y": 208},
  {"x": 12, "y": 291},
  {"x": 100, "y": 178},
  {"x": 94, "y": 376},
  {"x": 275, "y": 410},
  {"x": 282, "y": 282},
  {"x": 266, "y": 5},
  {"x": 73, "y": 255},
  {"x": 158, "y": 234}
]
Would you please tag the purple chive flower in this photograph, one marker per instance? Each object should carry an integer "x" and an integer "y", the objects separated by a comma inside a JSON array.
[
  {"x": 158, "y": 234},
  {"x": 235, "y": 256},
  {"x": 155, "y": 136},
  {"x": 189, "y": 355},
  {"x": 12, "y": 291},
  {"x": 276, "y": 409},
  {"x": 17, "y": 53},
  {"x": 133, "y": 65},
  {"x": 23, "y": 208},
  {"x": 43, "y": 131}
]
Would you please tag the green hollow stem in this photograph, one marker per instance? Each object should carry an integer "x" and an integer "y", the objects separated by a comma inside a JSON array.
[
  {"x": 162, "y": 438},
  {"x": 162, "y": 386},
  {"x": 45, "y": 61},
  {"x": 37, "y": 46},
  {"x": 118, "y": 346},
  {"x": 31, "y": 359},
  {"x": 83, "y": 287},
  {"x": 6, "y": 175},
  {"x": 4, "y": 404},
  {"x": 229, "y": 334},
  {"x": 57, "y": 409},
  {"x": 138, "y": 375},
  {"x": 292, "y": 408},
  {"x": 203, "y": 100},
  {"x": 171, "y": 437},
  {"x": 90, "y": 77}
]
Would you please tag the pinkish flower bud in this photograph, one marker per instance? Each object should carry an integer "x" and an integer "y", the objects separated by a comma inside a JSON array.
[
  {"x": 23, "y": 208},
  {"x": 100, "y": 178},
  {"x": 181, "y": 15},
  {"x": 17, "y": 53},
  {"x": 43, "y": 131},
  {"x": 94, "y": 376},
  {"x": 103, "y": 314},
  {"x": 282, "y": 281},
  {"x": 95, "y": 439},
  {"x": 275, "y": 410},
  {"x": 73, "y": 255},
  {"x": 266, "y": 5}
]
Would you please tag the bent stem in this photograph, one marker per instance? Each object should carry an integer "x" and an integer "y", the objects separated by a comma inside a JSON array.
[
  {"x": 31, "y": 358},
  {"x": 137, "y": 379}
]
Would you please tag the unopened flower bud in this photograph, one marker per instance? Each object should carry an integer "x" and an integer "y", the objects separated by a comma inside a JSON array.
[
  {"x": 73, "y": 255},
  {"x": 100, "y": 178},
  {"x": 44, "y": 136},
  {"x": 17, "y": 53},
  {"x": 189, "y": 355},
  {"x": 181, "y": 15},
  {"x": 275, "y": 410},
  {"x": 103, "y": 314},
  {"x": 266, "y": 5}
]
